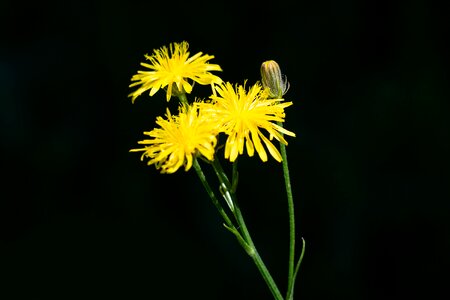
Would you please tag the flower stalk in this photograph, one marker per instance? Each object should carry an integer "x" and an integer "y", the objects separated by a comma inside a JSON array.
[
  {"x": 277, "y": 85},
  {"x": 291, "y": 213}
]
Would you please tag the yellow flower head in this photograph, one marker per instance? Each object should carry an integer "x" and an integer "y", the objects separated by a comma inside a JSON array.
[
  {"x": 179, "y": 139},
  {"x": 243, "y": 114},
  {"x": 172, "y": 68}
]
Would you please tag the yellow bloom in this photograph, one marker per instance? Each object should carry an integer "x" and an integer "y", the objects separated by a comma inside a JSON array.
[
  {"x": 243, "y": 114},
  {"x": 172, "y": 70},
  {"x": 179, "y": 139}
]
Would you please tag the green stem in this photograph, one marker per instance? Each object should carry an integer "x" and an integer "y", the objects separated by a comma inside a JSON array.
[
  {"x": 256, "y": 257},
  {"x": 211, "y": 194},
  {"x": 228, "y": 224},
  {"x": 291, "y": 212},
  {"x": 245, "y": 233},
  {"x": 234, "y": 177}
]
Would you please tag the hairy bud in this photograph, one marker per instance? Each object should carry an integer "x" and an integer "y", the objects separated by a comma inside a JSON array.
[{"x": 272, "y": 79}]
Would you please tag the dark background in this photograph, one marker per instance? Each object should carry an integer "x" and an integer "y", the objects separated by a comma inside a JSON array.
[{"x": 82, "y": 218}]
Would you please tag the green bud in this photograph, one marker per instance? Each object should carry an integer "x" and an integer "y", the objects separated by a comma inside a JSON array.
[{"x": 272, "y": 79}]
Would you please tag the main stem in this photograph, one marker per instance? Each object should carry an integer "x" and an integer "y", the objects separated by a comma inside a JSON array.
[
  {"x": 246, "y": 234},
  {"x": 291, "y": 212}
]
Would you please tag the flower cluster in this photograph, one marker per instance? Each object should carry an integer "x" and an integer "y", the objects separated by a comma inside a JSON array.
[
  {"x": 245, "y": 116},
  {"x": 237, "y": 118}
]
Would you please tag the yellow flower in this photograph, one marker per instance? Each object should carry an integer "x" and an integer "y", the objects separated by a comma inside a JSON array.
[
  {"x": 179, "y": 139},
  {"x": 243, "y": 114},
  {"x": 172, "y": 70}
]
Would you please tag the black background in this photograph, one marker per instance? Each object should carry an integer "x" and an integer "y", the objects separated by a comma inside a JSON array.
[{"x": 82, "y": 218}]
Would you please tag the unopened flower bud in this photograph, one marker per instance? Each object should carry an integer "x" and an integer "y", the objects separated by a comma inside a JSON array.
[{"x": 272, "y": 79}]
